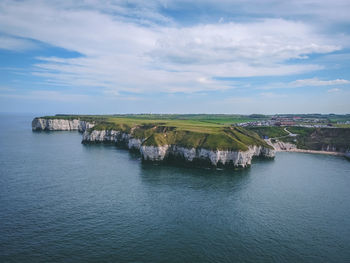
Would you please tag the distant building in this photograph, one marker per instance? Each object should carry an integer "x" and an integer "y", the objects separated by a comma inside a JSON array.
[{"x": 287, "y": 123}]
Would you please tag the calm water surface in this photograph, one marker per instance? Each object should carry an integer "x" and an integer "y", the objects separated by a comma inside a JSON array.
[{"x": 61, "y": 201}]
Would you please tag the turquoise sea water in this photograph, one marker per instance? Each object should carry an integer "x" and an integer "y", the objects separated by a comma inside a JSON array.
[{"x": 62, "y": 201}]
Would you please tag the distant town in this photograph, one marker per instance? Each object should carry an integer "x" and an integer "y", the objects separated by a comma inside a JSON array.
[{"x": 300, "y": 121}]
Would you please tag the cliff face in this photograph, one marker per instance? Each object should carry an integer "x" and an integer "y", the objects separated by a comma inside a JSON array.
[
  {"x": 60, "y": 125},
  {"x": 322, "y": 139},
  {"x": 283, "y": 146},
  {"x": 165, "y": 152},
  {"x": 112, "y": 136},
  {"x": 213, "y": 157},
  {"x": 156, "y": 153},
  {"x": 290, "y": 147}
]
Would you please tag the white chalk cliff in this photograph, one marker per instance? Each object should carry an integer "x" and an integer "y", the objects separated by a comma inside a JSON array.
[
  {"x": 280, "y": 146},
  {"x": 283, "y": 146},
  {"x": 60, "y": 125},
  {"x": 214, "y": 157},
  {"x": 156, "y": 153}
]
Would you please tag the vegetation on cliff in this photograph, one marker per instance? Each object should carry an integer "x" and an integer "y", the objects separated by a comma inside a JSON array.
[
  {"x": 217, "y": 131},
  {"x": 335, "y": 139},
  {"x": 200, "y": 131},
  {"x": 269, "y": 131},
  {"x": 223, "y": 139}
]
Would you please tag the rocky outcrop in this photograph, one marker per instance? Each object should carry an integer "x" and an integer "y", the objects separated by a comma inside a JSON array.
[
  {"x": 117, "y": 137},
  {"x": 134, "y": 143},
  {"x": 166, "y": 152},
  {"x": 290, "y": 147},
  {"x": 283, "y": 146},
  {"x": 329, "y": 148},
  {"x": 105, "y": 136},
  {"x": 212, "y": 157},
  {"x": 60, "y": 125},
  {"x": 155, "y": 153}
]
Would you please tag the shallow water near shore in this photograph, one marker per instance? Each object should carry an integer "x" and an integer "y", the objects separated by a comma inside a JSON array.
[{"x": 62, "y": 201}]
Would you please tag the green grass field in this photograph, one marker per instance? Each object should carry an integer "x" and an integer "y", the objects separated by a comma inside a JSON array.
[
  {"x": 270, "y": 131},
  {"x": 198, "y": 131},
  {"x": 337, "y": 139},
  {"x": 213, "y": 131},
  {"x": 321, "y": 138}
]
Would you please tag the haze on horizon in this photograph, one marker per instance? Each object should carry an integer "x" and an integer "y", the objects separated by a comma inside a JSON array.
[{"x": 96, "y": 57}]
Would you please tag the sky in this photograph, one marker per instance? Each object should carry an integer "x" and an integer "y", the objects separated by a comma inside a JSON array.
[{"x": 162, "y": 56}]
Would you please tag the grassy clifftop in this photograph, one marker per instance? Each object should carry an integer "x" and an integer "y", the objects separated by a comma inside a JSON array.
[
  {"x": 186, "y": 133},
  {"x": 269, "y": 131},
  {"x": 321, "y": 138},
  {"x": 200, "y": 131},
  {"x": 223, "y": 139},
  {"x": 337, "y": 139}
]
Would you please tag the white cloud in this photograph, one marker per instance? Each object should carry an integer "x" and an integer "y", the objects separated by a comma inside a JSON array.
[
  {"x": 47, "y": 95},
  {"x": 312, "y": 82},
  {"x": 266, "y": 41},
  {"x": 119, "y": 53},
  {"x": 318, "y": 82},
  {"x": 15, "y": 44}
]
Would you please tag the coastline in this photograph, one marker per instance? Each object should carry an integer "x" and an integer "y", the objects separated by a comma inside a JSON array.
[
  {"x": 158, "y": 152},
  {"x": 280, "y": 146},
  {"x": 158, "y": 143},
  {"x": 312, "y": 151}
]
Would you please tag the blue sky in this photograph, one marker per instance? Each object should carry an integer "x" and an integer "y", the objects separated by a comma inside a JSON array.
[{"x": 95, "y": 57}]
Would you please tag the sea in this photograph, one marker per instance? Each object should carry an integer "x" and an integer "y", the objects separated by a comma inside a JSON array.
[{"x": 62, "y": 201}]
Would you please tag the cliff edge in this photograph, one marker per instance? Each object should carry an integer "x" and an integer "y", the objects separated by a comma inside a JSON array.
[
  {"x": 159, "y": 142},
  {"x": 42, "y": 124}
]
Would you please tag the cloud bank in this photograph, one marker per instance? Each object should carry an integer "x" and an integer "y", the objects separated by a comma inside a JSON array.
[
  {"x": 131, "y": 50},
  {"x": 153, "y": 53}
]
